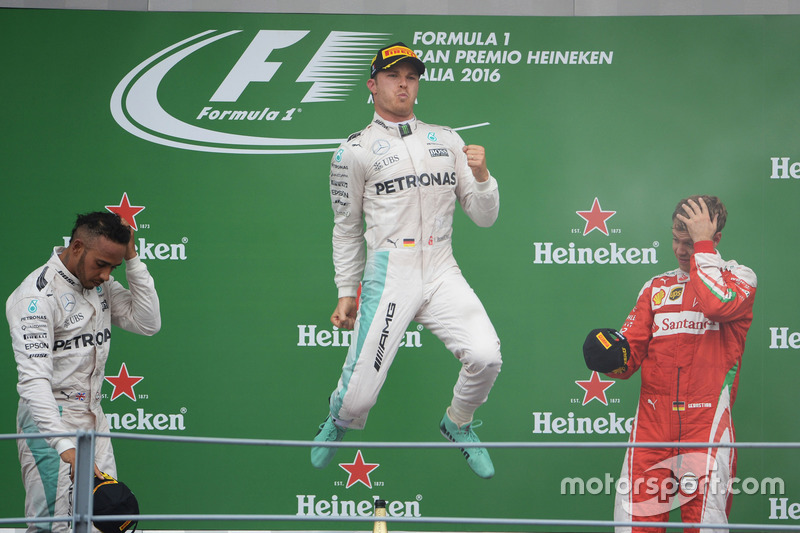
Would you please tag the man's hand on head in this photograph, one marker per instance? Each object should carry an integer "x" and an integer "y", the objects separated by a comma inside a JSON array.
[
  {"x": 698, "y": 221},
  {"x": 130, "y": 252}
]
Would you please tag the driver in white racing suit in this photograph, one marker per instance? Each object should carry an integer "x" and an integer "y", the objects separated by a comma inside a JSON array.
[
  {"x": 60, "y": 320},
  {"x": 402, "y": 178}
]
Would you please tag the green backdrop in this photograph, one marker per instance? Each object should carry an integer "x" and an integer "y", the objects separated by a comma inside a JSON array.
[{"x": 222, "y": 127}]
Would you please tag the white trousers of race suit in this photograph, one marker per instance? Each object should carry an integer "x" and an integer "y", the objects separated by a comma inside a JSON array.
[
  {"x": 396, "y": 289},
  {"x": 48, "y": 489}
]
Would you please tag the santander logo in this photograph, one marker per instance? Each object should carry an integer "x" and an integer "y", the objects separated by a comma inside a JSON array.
[{"x": 682, "y": 322}]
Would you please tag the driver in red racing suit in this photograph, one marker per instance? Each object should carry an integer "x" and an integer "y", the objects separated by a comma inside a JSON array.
[{"x": 687, "y": 334}]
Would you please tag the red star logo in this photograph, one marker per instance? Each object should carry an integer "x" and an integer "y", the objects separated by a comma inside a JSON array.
[
  {"x": 126, "y": 211},
  {"x": 359, "y": 471},
  {"x": 596, "y": 218},
  {"x": 123, "y": 384},
  {"x": 595, "y": 389}
]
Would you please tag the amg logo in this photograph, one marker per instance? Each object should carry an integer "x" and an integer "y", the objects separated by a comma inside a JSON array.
[
  {"x": 438, "y": 152},
  {"x": 384, "y": 336}
]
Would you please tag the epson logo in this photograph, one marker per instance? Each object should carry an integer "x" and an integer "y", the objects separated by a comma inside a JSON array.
[{"x": 207, "y": 127}]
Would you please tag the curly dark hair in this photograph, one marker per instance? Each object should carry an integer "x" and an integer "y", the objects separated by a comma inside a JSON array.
[
  {"x": 101, "y": 223},
  {"x": 715, "y": 207}
]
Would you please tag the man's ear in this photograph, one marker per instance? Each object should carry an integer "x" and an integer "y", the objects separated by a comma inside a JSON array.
[
  {"x": 77, "y": 244},
  {"x": 717, "y": 237}
]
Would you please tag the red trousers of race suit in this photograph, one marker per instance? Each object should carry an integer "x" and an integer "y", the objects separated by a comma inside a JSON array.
[{"x": 654, "y": 481}]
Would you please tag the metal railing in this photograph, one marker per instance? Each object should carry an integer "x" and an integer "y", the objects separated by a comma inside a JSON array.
[{"x": 83, "y": 516}]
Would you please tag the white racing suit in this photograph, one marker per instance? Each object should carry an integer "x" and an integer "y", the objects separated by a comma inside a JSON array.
[
  {"x": 61, "y": 333},
  {"x": 404, "y": 187}
]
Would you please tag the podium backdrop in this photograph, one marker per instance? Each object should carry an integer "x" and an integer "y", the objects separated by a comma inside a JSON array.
[{"x": 219, "y": 129}]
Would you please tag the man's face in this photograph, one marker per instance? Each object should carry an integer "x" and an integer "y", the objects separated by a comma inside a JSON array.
[
  {"x": 683, "y": 246},
  {"x": 93, "y": 262},
  {"x": 394, "y": 92}
]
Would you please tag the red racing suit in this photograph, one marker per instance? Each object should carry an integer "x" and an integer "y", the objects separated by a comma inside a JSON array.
[{"x": 687, "y": 333}]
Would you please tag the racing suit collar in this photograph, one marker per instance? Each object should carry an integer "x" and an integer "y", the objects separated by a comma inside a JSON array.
[
  {"x": 62, "y": 271},
  {"x": 395, "y": 128}
]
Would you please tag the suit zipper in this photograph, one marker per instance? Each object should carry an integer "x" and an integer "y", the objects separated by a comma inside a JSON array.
[{"x": 678, "y": 409}]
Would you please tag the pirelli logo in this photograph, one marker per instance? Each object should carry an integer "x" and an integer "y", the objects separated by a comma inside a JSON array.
[
  {"x": 398, "y": 51},
  {"x": 603, "y": 340}
]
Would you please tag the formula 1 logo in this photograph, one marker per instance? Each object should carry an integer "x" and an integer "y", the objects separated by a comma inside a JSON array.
[{"x": 234, "y": 118}]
